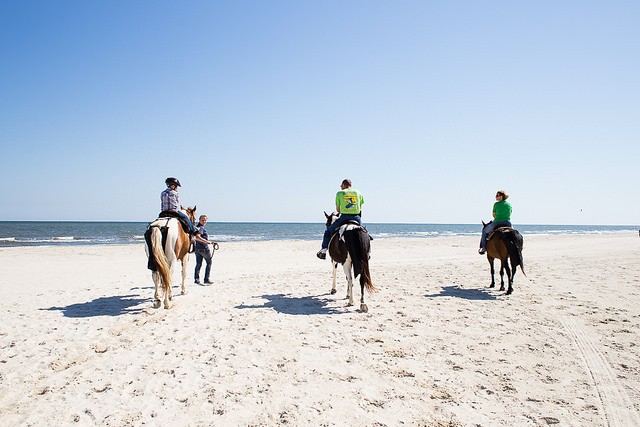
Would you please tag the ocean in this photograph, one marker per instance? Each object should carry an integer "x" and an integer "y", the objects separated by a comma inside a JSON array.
[{"x": 39, "y": 233}]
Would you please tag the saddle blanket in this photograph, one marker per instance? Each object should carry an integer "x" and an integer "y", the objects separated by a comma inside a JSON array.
[
  {"x": 347, "y": 227},
  {"x": 501, "y": 229}
]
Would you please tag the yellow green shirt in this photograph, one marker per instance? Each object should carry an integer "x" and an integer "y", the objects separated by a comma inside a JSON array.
[{"x": 349, "y": 201}]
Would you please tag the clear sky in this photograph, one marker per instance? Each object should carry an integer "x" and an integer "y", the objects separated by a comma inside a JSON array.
[{"x": 261, "y": 108}]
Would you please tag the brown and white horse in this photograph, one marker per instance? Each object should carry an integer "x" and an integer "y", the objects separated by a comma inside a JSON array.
[
  {"x": 350, "y": 246},
  {"x": 167, "y": 243}
]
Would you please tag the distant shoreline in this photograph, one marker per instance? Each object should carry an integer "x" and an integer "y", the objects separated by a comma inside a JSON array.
[{"x": 56, "y": 233}]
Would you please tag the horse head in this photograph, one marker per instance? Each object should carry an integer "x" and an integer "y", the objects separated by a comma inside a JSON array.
[
  {"x": 191, "y": 213},
  {"x": 330, "y": 218}
]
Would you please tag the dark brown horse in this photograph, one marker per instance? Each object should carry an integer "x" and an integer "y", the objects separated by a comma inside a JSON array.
[
  {"x": 505, "y": 244},
  {"x": 350, "y": 246}
]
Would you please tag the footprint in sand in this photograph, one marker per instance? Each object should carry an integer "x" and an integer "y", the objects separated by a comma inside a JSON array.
[{"x": 617, "y": 407}]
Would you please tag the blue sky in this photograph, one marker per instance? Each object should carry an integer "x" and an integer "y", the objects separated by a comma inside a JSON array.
[{"x": 261, "y": 108}]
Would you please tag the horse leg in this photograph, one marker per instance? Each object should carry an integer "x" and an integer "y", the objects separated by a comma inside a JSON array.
[
  {"x": 493, "y": 281},
  {"x": 509, "y": 277},
  {"x": 501, "y": 275},
  {"x": 167, "y": 296},
  {"x": 347, "y": 272},
  {"x": 333, "y": 285},
  {"x": 363, "y": 306},
  {"x": 156, "y": 296},
  {"x": 169, "y": 291},
  {"x": 184, "y": 262}
]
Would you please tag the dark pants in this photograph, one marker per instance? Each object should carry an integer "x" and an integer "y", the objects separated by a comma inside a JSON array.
[
  {"x": 489, "y": 228},
  {"x": 192, "y": 228},
  {"x": 342, "y": 219},
  {"x": 183, "y": 216},
  {"x": 200, "y": 255}
]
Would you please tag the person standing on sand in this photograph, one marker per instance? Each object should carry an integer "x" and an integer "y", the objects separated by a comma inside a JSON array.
[
  {"x": 501, "y": 218},
  {"x": 203, "y": 251},
  {"x": 349, "y": 203},
  {"x": 170, "y": 202}
]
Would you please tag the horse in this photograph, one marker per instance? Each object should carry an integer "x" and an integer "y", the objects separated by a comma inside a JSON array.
[
  {"x": 166, "y": 243},
  {"x": 505, "y": 244},
  {"x": 350, "y": 246}
]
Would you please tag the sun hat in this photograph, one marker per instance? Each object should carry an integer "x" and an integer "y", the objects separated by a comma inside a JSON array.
[{"x": 505, "y": 196}]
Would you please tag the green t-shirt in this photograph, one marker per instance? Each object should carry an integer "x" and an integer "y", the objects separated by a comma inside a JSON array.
[
  {"x": 349, "y": 201},
  {"x": 502, "y": 210}
]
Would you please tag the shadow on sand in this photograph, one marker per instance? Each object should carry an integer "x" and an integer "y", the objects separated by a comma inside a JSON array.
[
  {"x": 458, "y": 292},
  {"x": 296, "y": 305},
  {"x": 105, "y": 306}
]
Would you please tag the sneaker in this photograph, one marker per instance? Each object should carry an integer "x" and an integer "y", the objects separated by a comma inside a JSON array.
[
  {"x": 482, "y": 251},
  {"x": 208, "y": 282},
  {"x": 322, "y": 254},
  {"x": 197, "y": 281}
]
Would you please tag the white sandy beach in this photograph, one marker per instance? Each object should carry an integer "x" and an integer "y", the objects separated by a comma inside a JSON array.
[{"x": 267, "y": 344}]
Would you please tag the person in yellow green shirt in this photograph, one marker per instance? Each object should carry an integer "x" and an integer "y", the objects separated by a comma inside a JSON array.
[
  {"x": 349, "y": 203},
  {"x": 501, "y": 218}
]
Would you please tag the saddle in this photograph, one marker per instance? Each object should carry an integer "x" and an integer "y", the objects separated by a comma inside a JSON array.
[
  {"x": 499, "y": 229},
  {"x": 350, "y": 225},
  {"x": 172, "y": 214}
]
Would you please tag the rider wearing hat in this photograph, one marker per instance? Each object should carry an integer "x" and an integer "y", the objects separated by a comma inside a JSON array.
[
  {"x": 170, "y": 202},
  {"x": 501, "y": 218}
]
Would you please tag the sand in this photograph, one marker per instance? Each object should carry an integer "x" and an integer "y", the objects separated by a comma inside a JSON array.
[{"x": 267, "y": 344}]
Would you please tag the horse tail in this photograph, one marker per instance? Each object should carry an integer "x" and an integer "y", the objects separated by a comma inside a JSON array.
[
  {"x": 365, "y": 278},
  {"x": 161, "y": 262},
  {"x": 514, "y": 242},
  {"x": 359, "y": 247}
]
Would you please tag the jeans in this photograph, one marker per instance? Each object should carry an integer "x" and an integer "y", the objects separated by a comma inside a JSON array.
[
  {"x": 192, "y": 228},
  {"x": 200, "y": 255},
  {"x": 344, "y": 218},
  {"x": 489, "y": 228}
]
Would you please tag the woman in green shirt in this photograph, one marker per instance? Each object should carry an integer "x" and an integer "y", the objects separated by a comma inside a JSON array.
[{"x": 501, "y": 218}]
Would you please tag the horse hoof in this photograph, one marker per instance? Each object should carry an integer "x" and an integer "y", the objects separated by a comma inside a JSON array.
[
  {"x": 492, "y": 285},
  {"x": 364, "y": 308},
  {"x": 349, "y": 304},
  {"x": 156, "y": 304},
  {"x": 509, "y": 292},
  {"x": 502, "y": 288},
  {"x": 333, "y": 291}
]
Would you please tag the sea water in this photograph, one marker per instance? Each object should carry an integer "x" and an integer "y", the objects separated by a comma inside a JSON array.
[{"x": 37, "y": 233}]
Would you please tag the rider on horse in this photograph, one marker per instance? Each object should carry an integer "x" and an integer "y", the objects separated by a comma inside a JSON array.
[
  {"x": 170, "y": 204},
  {"x": 501, "y": 218},
  {"x": 349, "y": 203}
]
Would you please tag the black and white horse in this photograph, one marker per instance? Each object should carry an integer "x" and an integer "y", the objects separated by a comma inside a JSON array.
[{"x": 350, "y": 246}]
